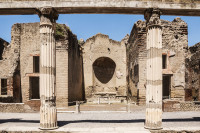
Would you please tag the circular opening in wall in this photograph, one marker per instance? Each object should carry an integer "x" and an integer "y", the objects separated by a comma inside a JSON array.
[{"x": 104, "y": 69}]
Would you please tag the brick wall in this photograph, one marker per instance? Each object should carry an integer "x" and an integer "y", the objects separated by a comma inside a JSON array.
[
  {"x": 68, "y": 64},
  {"x": 100, "y": 46},
  {"x": 136, "y": 49},
  {"x": 193, "y": 73},
  {"x": 174, "y": 42},
  {"x": 75, "y": 70},
  {"x": 9, "y": 62}
]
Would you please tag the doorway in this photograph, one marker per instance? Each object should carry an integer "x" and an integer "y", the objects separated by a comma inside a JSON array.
[
  {"x": 166, "y": 86},
  {"x": 34, "y": 87}
]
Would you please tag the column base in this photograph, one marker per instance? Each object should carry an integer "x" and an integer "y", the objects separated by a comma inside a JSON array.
[
  {"x": 53, "y": 128},
  {"x": 48, "y": 117},
  {"x": 150, "y": 128},
  {"x": 153, "y": 117}
]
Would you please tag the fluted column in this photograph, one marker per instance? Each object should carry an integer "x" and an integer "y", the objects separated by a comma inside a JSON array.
[
  {"x": 154, "y": 70},
  {"x": 48, "y": 112}
]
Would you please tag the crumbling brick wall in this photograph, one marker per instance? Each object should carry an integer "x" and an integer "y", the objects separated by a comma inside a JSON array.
[
  {"x": 102, "y": 50},
  {"x": 136, "y": 52},
  {"x": 3, "y": 45},
  {"x": 68, "y": 67},
  {"x": 174, "y": 44},
  {"x": 19, "y": 66},
  {"x": 9, "y": 65},
  {"x": 193, "y": 73},
  {"x": 68, "y": 63},
  {"x": 29, "y": 47},
  {"x": 75, "y": 70}
]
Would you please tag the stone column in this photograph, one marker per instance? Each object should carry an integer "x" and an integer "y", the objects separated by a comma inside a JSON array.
[
  {"x": 154, "y": 70},
  {"x": 48, "y": 112}
]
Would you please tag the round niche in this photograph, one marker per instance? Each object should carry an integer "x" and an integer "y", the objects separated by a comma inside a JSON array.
[{"x": 104, "y": 69}]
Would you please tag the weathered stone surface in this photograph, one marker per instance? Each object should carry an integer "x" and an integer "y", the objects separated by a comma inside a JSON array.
[
  {"x": 10, "y": 64},
  {"x": 193, "y": 73},
  {"x": 177, "y": 105},
  {"x": 25, "y": 42},
  {"x": 153, "y": 69},
  {"x": 47, "y": 79},
  {"x": 3, "y": 45},
  {"x": 104, "y": 62},
  {"x": 174, "y": 46},
  {"x": 10, "y": 55}
]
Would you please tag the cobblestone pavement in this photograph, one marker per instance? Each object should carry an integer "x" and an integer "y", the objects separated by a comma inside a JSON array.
[{"x": 115, "y": 122}]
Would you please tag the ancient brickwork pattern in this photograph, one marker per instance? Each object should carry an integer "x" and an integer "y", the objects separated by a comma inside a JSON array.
[
  {"x": 193, "y": 73},
  {"x": 30, "y": 46},
  {"x": 174, "y": 44},
  {"x": 27, "y": 37},
  {"x": 101, "y": 46},
  {"x": 136, "y": 52},
  {"x": 75, "y": 70},
  {"x": 9, "y": 61},
  {"x": 180, "y": 106}
]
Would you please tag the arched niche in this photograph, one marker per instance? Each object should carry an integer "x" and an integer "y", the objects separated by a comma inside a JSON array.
[{"x": 104, "y": 68}]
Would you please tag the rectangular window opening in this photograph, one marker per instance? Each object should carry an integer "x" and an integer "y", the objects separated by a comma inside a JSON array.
[
  {"x": 34, "y": 87},
  {"x": 136, "y": 70},
  {"x": 166, "y": 87},
  {"x": 164, "y": 61},
  {"x": 36, "y": 64},
  {"x": 3, "y": 86}
]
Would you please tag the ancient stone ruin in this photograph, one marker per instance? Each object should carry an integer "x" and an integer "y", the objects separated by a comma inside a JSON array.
[
  {"x": 98, "y": 67},
  {"x": 192, "y": 78},
  {"x": 104, "y": 63},
  {"x": 45, "y": 67},
  {"x": 174, "y": 52},
  {"x": 21, "y": 63}
]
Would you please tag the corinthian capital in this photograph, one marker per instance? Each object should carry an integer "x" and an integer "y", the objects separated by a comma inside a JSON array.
[
  {"x": 47, "y": 15},
  {"x": 152, "y": 16}
]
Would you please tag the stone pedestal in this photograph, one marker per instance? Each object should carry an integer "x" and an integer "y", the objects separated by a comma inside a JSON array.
[
  {"x": 48, "y": 112},
  {"x": 154, "y": 70}
]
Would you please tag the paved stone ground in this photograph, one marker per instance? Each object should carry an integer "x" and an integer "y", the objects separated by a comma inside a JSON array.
[{"x": 89, "y": 122}]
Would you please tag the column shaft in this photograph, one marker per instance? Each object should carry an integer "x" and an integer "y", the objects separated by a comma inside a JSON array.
[
  {"x": 48, "y": 112},
  {"x": 154, "y": 75}
]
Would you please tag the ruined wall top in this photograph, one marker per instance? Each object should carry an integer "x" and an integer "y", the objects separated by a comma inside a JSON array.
[
  {"x": 195, "y": 48},
  {"x": 178, "y": 26},
  {"x": 10, "y": 56},
  {"x": 3, "y": 45},
  {"x": 100, "y": 35}
]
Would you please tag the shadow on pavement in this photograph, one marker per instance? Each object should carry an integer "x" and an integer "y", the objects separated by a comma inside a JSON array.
[
  {"x": 182, "y": 120},
  {"x": 18, "y": 120},
  {"x": 62, "y": 123}
]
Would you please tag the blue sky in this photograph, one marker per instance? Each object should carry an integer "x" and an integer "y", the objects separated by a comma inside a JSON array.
[{"x": 87, "y": 25}]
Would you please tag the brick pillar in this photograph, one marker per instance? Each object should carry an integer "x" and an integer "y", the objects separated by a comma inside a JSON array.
[
  {"x": 154, "y": 70},
  {"x": 48, "y": 112}
]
